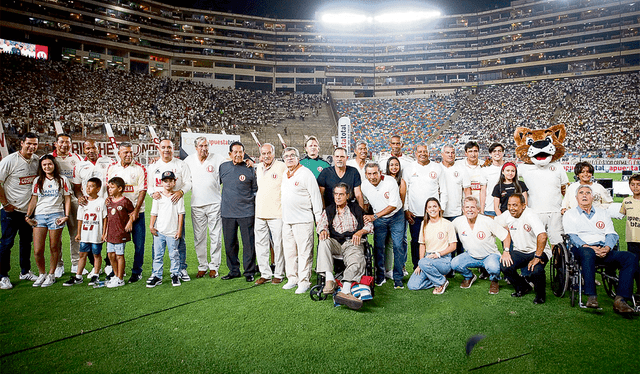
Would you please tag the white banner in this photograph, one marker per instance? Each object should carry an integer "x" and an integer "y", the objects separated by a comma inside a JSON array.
[
  {"x": 3, "y": 142},
  {"x": 344, "y": 134},
  {"x": 606, "y": 165},
  {"x": 218, "y": 143}
]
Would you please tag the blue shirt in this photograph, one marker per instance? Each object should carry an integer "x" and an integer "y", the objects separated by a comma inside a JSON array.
[{"x": 239, "y": 187}]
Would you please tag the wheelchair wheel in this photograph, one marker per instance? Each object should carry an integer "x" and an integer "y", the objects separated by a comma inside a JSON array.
[
  {"x": 609, "y": 282},
  {"x": 559, "y": 270},
  {"x": 316, "y": 293}
]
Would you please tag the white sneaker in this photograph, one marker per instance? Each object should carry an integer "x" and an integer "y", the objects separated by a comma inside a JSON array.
[
  {"x": 59, "y": 271},
  {"x": 388, "y": 274},
  {"x": 84, "y": 271},
  {"x": 28, "y": 276},
  {"x": 91, "y": 273},
  {"x": 108, "y": 269},
  {"x": 40, "y": 280},
  {"x": 51, "y": 279},
  {"x": 302, "y": 289},
  {"x": 5, "y": 284},
  {"x": 74, "y": 269},
  {"x": 289, "y": 286},
  {"x": 184, "y": 276},
  {"x": 115, "y": 282}
]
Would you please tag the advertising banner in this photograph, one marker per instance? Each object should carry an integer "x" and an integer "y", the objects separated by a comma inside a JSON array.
[
  {"x": 218, "y": 143},
  {"x": 344, "y": 134}
]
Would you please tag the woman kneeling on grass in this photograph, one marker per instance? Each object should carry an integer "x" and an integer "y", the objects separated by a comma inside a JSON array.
[
  {"x": 437, "y": 240},
  {"x": 48, "y": 211}
]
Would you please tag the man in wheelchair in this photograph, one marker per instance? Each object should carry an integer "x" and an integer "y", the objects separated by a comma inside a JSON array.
[
  {"x": 340, "y": 229},
  {"x": 592, "y": 238}
]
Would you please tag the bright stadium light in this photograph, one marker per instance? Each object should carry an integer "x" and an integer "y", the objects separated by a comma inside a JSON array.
[
  {"x": 344, "y": 18},
  {"x": 397, "y": 17}
]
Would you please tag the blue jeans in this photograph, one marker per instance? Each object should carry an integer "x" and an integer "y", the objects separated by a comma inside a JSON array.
[
  {"x": 432, "y": 273},
  {"x": 393, "y": 226},
  {"x": 137, "y": 235},
  {"x": 182, "y": 247},
  {"x": 625, "y": 261},
  {"x": 172, "y": 245},
  {"x": 414, "y": 230},
  {"x": 463, "y": 262},
  {"x": 13, "y": 223}
]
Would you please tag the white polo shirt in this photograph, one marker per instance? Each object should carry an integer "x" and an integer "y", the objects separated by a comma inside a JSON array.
[
  {"x": 480, "y": 241},
  {"x": 423, "y": 182},
  {"x": 67, "y": 165},
  {"x": 437, "y": 236},
  {"x": 86, "y": 170},
  {"x": 545, "y": 184},
  {"x": 457, "y": 179},
  {"x": 524, "y": 231},
  {"x": 205, "y": 179},
  {"x": 385, "y": 194},
  {"x": 589, "y": 230},
  {"x": 476, "y": 177},
  {"x": 491, "y": 174},
  {"x": 177, "y": 166},
  {"x": 17, "y": 175},
  {"x": 301, "y": 199}
]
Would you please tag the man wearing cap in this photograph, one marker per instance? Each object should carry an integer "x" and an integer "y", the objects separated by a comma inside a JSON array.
[
  {"x": 205, "y": 206},
  {"x": 167, "y": 162},
  {"x": 238, "y": 209}
]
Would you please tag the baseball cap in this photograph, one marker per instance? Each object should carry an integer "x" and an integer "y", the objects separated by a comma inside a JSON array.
[{"x": 168, "y": 175}]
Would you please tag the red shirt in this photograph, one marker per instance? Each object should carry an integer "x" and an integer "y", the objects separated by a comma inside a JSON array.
[{"x": 117, "y": 218}]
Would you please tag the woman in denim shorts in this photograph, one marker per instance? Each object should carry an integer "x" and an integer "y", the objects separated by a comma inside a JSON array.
[{"x": 48, "y": 212}]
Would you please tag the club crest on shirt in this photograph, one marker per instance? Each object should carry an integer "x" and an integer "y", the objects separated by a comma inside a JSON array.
[
  {"x": 600, "y": 225},
  {"x": 113, "y": 211},
  {"x": 456, "y": 174},
  {"x": 119, "y": 207},
  {"x": 433, "y": 175},
  {"x": 386, "y": 195},
  {"x": 526, "y": 227},
  {"x": 98, "y": 209},
  {"x": 481, "y": 235},
  {"x": 319, "y": 168},
  {"x": 274, "y": 176},
  {"x": 440, "y": 235},
  {"x": 552, "y": 168},
  {"x": 210, "y": 168},
  {"x": 242, "y": 178},
  {"x": 296, "y": 184}
]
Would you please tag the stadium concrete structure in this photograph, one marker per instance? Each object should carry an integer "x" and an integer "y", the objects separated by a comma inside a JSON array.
[{"x": 527, "y": 41}]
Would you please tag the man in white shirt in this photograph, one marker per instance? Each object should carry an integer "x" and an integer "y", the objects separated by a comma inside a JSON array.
[
  {"x": 424, "y": 179},
  {"x": 67, "y": 162},
  {"x": 396, "y": 144},
  {"x": 530, "y": 251},
  {"x": 362, "y": 152},
  {"x": 205, "y": 206},
  {"x": 268, "y": 226},
  {"x": 388, "y": 220},
  {"x": 301, "y": 207},
  {"x": 477, "y": 234},
  {"x": 458, "y": 183},
  {"x": 17, "y": 172},
  {"x": 135, "y": 189},
  {"x": 474, "y": 171},
  {"x": 584, "y": 171},
  {"x": 593, "y": 237},
  {"x": 183, "y": 184},
  {"x": 491, "y": 175}
]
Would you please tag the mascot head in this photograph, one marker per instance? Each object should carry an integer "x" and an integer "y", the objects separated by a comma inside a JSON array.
[{"x": 540, "y": 147}]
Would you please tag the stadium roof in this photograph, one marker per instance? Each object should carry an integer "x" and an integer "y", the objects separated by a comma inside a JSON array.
[{"x": 306, "y": 9}]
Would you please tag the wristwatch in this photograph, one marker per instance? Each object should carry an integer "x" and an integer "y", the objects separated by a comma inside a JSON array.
[
  {"x": 538, "y": 257},
  {"x": 375, "y": 217}
]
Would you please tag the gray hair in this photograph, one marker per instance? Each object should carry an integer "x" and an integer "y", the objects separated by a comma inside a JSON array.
[
  {"x": 584, "y": 186},
  {"x": 371, "y": 164},
  {"x": 273, "y": 149},
  {"x": 362, "y": 142},
  {"x": 125, "y": 145},
  {"x": 420, "y": 145},
  {"x": 472, "y": 198},
  {"x": 447, "y": 146},
  {"x": 199, "y": 139},
  {"x": 289, "y": 149}
]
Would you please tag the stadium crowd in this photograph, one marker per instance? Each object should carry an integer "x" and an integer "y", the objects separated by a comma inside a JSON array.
[{"x": 36, "y": 93}]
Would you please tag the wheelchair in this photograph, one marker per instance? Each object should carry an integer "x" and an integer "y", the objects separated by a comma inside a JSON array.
[
  {"x": 566, "y": 275},
  {"x": 338, "y": 268}
]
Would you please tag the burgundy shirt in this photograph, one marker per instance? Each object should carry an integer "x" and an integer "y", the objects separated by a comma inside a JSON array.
[{"x": 117, "y": 218}]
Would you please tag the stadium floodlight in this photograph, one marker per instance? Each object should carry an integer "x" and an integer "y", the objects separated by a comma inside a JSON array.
[
  {"x": 398, "y": 17},
  {"x": 345, "y": 18}
]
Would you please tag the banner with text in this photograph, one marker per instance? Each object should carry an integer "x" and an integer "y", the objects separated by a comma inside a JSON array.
[
  {"x": 344, "y": 134},
  {"x": 218, "y": 143},
  {"x": 606, "y": 165}
]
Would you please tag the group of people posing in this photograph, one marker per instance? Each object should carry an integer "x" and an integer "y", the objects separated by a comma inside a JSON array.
[{"x": 454, "y": 210}]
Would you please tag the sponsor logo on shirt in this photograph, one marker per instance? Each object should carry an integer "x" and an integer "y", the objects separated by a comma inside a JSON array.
[
  {"x": 475, "y": 186},
  {"x": 128, "y": 188},
  {"x": 481, "y": 235},
  {"x": 600, "y": 225},
  {"x": 27, "y": 180}
]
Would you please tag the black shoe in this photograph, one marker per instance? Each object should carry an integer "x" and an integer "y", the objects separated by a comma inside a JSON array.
[
  {"x": 539, "y": 300},
  {"x": 154, "y": 281},
  {"x": 134, "y": 278},
  {"x": 230, "y": 276},
  {"x": 249, "y": 278},
  {"x": 451, "y": 274},
  {"x": 111, "y": 275},
  {"x": 521, "y": 292}
]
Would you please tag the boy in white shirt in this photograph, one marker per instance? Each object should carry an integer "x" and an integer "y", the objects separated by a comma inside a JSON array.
[
  {"x": 92, "y": 219},
  {"x": 166, "y": 226}
]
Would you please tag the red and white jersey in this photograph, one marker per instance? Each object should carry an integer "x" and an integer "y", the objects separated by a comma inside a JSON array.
[
  {"x": 135, "y": 180},
  {"x": 476, "y": 177},
  {"x": 17, "y": 175},
  {"x": 51, "y": 196},
  {"x": 177, "y": 166},
  {"x": 67, "y": 164},
  {"x": 86, "y": 170},
  {"x": 92, "y": 216}
]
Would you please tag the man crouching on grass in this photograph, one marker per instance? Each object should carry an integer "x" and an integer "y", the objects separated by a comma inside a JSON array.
[{"x": 340, "y": 229}]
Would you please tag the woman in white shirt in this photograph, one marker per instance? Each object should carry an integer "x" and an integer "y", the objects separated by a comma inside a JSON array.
[{"x": 437, "y": 241}]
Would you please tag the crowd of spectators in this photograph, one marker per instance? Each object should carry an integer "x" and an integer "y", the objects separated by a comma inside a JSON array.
[
  {"x": 375, "y": 120},
  {"x": 36, "y": 93}
]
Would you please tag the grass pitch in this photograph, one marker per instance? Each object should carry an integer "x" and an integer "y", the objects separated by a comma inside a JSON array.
[{"x": 210, "y": 325}]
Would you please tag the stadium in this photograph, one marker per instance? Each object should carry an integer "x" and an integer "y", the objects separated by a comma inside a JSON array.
[{"x": 431, "y": 78}]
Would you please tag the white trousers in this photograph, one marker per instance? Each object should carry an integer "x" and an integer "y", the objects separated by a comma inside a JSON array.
[
  {"x": 204, "y": 217},
  {"x": 297, "y": 241},
  {"x": 266, "y": 231}
]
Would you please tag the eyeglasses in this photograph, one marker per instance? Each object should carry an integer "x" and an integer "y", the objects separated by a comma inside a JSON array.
[{"x": 286, "y": 157}]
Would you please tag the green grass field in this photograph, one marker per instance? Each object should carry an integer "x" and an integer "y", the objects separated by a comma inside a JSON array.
[{"x": 233, "y": 327}]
